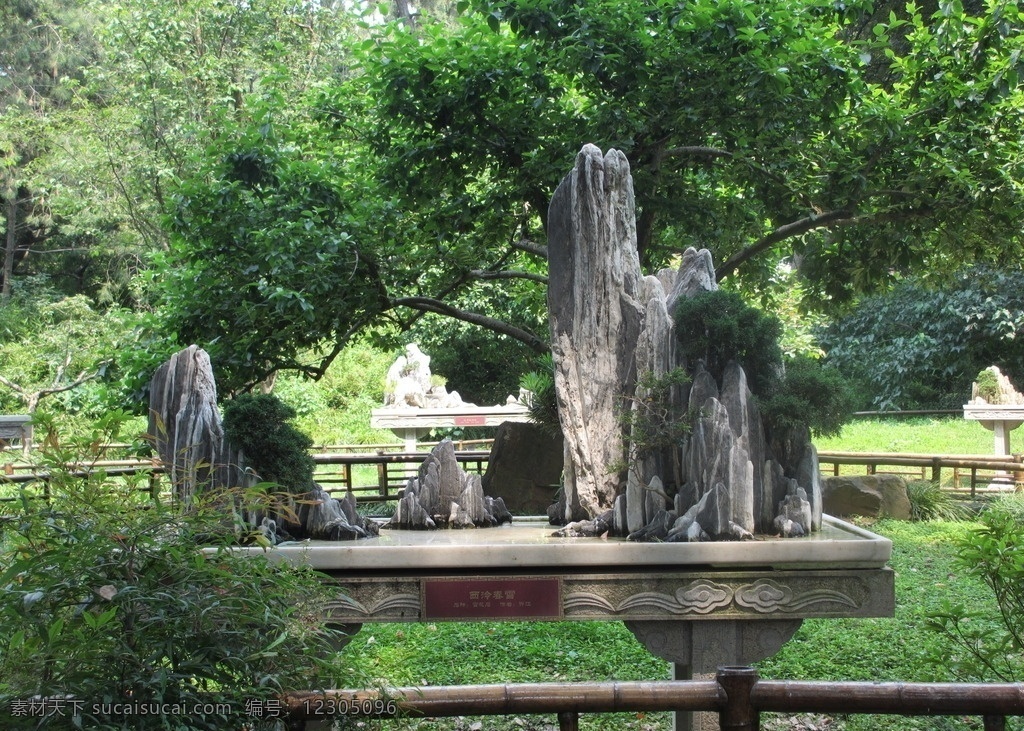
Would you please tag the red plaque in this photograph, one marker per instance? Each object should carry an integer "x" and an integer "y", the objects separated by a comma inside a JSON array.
[
  {"x": 470, "y": 421},
  {"x": 492, "y": 598}
]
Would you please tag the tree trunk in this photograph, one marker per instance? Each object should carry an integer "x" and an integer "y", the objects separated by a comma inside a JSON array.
[
  {"x": 404, "y": 14},
  {"x": 10, "y": 245}
]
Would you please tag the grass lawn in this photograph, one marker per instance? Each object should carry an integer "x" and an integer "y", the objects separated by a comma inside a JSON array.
[
  {"x": 923, "y": 435},
  {"x": 899, "y": 648}
]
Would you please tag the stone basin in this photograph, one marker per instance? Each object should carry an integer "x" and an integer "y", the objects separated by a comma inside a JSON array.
[
  {"x": 520, "y": 571},
  {"x": 528, "y": 543}
]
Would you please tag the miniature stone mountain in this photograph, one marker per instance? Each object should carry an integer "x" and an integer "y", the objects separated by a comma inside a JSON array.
[
  {"x": 995, "y": 389},
  {"x": 186, "y": 425},
  {"x": 442, "y": 495},
  {"x": 611, "y": 327}
]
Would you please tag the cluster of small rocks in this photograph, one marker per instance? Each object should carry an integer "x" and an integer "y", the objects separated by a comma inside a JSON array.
[
  {"x": 334, "y": 520},
  {"x": 442, "y": 495}
]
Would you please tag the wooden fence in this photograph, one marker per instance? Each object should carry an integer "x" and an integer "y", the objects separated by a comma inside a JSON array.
[
  {"x": 336, "y": 471},
  {"x": 983, "y": 470},
  {"x": 737, "y": 694},
  {"x": 378, "y": 476}
]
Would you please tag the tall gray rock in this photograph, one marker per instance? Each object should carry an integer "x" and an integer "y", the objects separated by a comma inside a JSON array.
[
  {"x": 612, "y": 332},
  {"x": 186, "y": 425},
  {"x": 595, "y": 316}
]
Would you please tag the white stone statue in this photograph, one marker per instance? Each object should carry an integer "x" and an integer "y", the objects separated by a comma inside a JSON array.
[{"x": 409, "y": 384}]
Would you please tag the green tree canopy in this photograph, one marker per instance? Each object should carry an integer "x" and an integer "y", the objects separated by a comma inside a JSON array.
[{"x": 863, "y": 145}]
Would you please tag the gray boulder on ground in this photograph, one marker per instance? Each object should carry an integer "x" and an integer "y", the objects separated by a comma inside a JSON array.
[{"x": 872, "y": 496}]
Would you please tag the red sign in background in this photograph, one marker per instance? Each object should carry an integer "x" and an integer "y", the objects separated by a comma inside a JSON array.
[
  {"x": 492, "y": 598},
  {"x": 470, "y": 420}
]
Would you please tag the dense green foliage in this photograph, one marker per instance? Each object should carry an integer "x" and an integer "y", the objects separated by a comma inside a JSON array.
[
  {"x": 264, "y": 262},
  {"x": 260, "y": 426},
  {"x": 61, "y": 349},
  {"x": 106, "y": 598},
  {"x": 272, "y": 178},
  {"x": 810, "y": 394},
  {"x": 760, "y": 131},
  {"x": 748, "y": 126},
  {"x": 717, "y": 327},
  {"x": 921, "y": 345}
]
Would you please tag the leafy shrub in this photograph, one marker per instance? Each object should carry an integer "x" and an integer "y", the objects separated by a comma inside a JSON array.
[
  {"x": 983, "y": 649},
  {"x": 717, "y": 327},
  {"x": 259, "y": 425},
  {"x": 106, "y": 599},
  {"x": 920, "y": 346},
  {"x": 358, "y": 372},
  {"x": 929, "y": 501},
  {"x": 810, "y": 394},
  {"x": 303, "y": 395}
]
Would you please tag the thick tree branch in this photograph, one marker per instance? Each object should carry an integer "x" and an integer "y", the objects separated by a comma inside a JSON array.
[
  {"x": 830, "y": 219},
  {"x": 782, "y": 233},
  {"x": 508, "y": 274},
  {"x": 696, "y": 151},
  {"x": 531, "y": 248},
  {"x": 427, "y": 304}
]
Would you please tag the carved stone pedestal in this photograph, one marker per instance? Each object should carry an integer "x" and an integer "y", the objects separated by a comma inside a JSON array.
[
  {"x": 697, "y": 605},
  {"x": 697, "y": 649}
]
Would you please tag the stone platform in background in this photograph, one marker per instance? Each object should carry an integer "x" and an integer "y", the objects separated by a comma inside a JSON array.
[{"x": 410, "y": 424}]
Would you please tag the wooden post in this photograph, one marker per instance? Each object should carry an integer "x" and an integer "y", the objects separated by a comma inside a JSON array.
[
  {"x": 568, "y": 721},
  {"x": 382, "y": 478},
  {"x": 738, "y": 713}
]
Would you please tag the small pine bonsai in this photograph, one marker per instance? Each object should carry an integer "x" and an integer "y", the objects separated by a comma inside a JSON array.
[
  {"x": 259, "y": 425},
  {"x": 718, "y": 326},
  {"x": 988, "y": 386}
]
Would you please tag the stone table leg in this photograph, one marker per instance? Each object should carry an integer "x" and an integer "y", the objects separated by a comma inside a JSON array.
[{"x": 700, "y": 647}]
